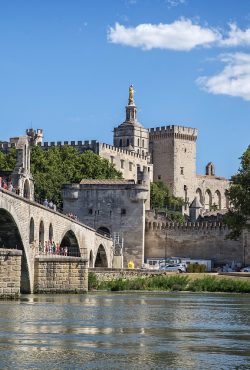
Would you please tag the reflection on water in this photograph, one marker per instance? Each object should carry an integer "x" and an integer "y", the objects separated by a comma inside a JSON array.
[{"x": 126, "y": 331}]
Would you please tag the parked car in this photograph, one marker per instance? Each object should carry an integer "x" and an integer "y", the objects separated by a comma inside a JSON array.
[
  {"x": 179, "y": 267},
  {"x": 245, "y": 269}
]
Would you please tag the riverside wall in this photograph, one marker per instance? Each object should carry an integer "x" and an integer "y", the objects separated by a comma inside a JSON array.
[
  {"x": 206, "y": 240},
  {"x": 60, "y": 275},
  {"x": 10, "y": 273}
]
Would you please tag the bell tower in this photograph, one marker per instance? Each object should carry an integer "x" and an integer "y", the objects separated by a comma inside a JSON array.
[{"x": 131, "y": 135}]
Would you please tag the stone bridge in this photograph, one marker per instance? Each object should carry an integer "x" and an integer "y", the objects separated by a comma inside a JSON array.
[{"x": 24, "y": 224}]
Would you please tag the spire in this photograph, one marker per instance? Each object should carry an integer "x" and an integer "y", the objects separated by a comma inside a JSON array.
[{"x": 131, "y": 108}]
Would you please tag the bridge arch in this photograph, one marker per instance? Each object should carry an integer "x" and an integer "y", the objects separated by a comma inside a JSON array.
[
  {"x": 11, "y": 237},
  {"x": 101, "y": 259},
  {"x": 103, "y": 230},
  {"x": 70, "y": 241}
]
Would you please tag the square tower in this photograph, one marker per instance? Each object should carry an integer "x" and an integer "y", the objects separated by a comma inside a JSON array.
[{"x": 173, "y": 152}]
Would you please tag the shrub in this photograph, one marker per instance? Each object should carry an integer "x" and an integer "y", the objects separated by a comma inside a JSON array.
[{"x": 92, "y": 281}]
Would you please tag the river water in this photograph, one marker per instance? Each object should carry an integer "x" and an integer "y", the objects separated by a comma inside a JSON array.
[{"x": 126, "y": 331}]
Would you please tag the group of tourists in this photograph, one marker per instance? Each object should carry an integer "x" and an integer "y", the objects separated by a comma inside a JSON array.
[
  {"x": 50, "y": 204},
  {"x": 71, "y": 215},
  {"x": 7, "y": 185},
  {"x": 50, "y": 247}
]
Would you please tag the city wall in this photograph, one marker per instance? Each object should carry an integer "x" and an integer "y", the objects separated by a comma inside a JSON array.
[
  {"x": 195, "y": 240},
  {"x": 10, "y": 273},
  {"x": 60, "y": 275}
]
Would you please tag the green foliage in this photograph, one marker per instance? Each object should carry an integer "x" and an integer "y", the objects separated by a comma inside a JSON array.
[
  {"x": 238, "y": 217},
  {"x": 92, "y": 281},
  {"x": 176, "y": 282},
  {"x": 194, "y": 267},
  {"x": 8, "y": 161},
  {"x": 162, "y": 199},
  {"x": 64, "y": 165}
]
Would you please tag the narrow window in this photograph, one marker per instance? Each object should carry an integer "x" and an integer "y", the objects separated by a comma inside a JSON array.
[
  {"x": 130, "y": 166},
  {"x": 159, "y": 177},
  {"x": 120, "y": 142},
  {"x": 182, "y": 170},
  {"x": 112, "y": 159},
  {"x": 90, "y": 211},
  {"x": 138, "y": 142},
  {"x": 143, "y": 143},
  {"x": 127, "y": 142},
  {"x": 123, "y": 211},
  {"x": 122, "y": 163}
]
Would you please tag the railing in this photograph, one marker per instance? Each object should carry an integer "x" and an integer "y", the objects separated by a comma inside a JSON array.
[{"x": 70, "y": 252}]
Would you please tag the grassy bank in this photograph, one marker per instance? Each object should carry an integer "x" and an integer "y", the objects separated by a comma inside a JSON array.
[{"x": 203, "y": 283}]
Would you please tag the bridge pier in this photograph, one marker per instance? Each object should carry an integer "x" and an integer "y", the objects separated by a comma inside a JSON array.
[{"x": 60, "y": 274}]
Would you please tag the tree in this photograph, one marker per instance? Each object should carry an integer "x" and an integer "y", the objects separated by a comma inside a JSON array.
[
  {"x": 60, "y": 165},
  {"x": 65, "y": 165},
  {"x": 161, "y": 199},
  {"x": 8, "y": 161},
  {"x": 238, "y": 217}
]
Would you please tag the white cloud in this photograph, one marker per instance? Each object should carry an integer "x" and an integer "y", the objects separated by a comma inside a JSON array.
[
  {"x": 236, "y": 37},
  {"x": 173, "y": 3},
  {"x": 233, "y": 80},
  {"x": 179, "y": 35}
]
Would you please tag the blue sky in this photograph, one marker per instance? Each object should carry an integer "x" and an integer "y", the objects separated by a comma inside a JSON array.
[{"x": 65, "y": 66}]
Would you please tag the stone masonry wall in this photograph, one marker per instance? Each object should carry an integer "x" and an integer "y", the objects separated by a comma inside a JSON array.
[
  {"x": 60, "y": 275},
  {"x": 110, "y": 274},
  {"x": 10, "y": 273},
  {"x": 204, "y": 240}
]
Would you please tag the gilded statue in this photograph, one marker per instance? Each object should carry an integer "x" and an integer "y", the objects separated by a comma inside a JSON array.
[{"x": 131, "y": 95}]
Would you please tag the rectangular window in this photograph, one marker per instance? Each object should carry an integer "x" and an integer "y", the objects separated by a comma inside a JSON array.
[
  {"x": 123, "y": 211},
  {"x": 130, "y": 166},
  {"x": 112, "y": 160},
  {"x": 122, "y": 163},
  {"x": 182, "y": 170},
  {"x": 90, "y": 211},
  {"x": 159, "y": 177}
]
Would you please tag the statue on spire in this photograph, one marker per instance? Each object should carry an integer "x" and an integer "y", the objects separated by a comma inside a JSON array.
[{"x": 131, "y": 95}]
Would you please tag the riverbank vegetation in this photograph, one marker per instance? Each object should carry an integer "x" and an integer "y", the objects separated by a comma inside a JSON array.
[{"x": 173, "y": 282}]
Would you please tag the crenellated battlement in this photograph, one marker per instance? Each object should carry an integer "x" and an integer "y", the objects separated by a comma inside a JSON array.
[
  {"x": 186, "y": 226},
  {"x": 80, "y": 143},
  {"x": 179, "y": 132},
  {"x": 123, "y": 151}
]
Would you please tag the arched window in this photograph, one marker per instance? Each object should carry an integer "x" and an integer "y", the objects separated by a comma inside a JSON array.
[
  {"x": 208, "y": 199},
  {"x": 26, "y": 189},
  {"x": 41, "y": 233},
  {"x": 138, "y": 142},
  {"x": 50, "y": 232},
  {"x": 199, "y": 195},
  {"x": 32, "y": 230},
  {"x": 217, "y": 199}
]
